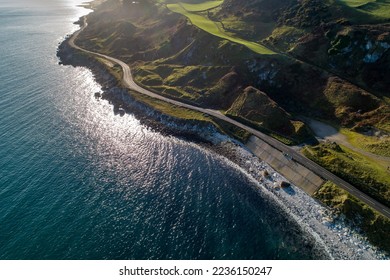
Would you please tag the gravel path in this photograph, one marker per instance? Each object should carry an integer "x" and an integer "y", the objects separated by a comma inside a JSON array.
[{"x": 327, "y": 132}]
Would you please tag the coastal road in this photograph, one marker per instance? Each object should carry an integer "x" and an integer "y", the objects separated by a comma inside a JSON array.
[{"x": 128, "y": 82}]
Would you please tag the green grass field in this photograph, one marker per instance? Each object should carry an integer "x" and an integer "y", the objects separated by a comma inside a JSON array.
[
  {"x": 186, "y": 114},
  {"x": 373, "y": 144},
  {"x": 362, "y": 172},
  {"x": 379, "y": 8},
  {"x": 357, "y": 3},
  {"x": 375, "y": 226},
  {"x": 214, "y": 29},
  {"x": 203, "y": 6},
  {"x": 171, "y": 110}
]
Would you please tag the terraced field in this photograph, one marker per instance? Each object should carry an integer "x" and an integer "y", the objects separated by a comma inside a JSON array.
[{"x": 193, "y": 13}]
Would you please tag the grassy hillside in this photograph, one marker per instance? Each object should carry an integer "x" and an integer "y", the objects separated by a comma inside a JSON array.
[
  {"x": 371, "y": 141},
  {"x": 362, "y": 172},
  {"x": 201, "y": 6},
  {"x": 357, "y": 3},
  {"x": 189, "y": 115},
  {"x": 169, "y": 55},
  {"x": 375, "y": 226},
  {"x": 265, "y": 63},
  {"x": 379, "y": 8},
  {"x": 186, "y": 82},
  {"x": 255, "y": 107},
  {"x": 213, "y": 27}
]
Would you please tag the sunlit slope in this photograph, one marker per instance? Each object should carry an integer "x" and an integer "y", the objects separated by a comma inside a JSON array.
[
  {"x": 357, "y": 3},
  {"x": 212, "y": 27},
  {"x": 200, "y": 7},
  {"x": 379, "y": 8}
]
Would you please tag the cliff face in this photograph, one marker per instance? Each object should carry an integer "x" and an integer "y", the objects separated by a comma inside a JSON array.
[{"x": 332, "y": 62}]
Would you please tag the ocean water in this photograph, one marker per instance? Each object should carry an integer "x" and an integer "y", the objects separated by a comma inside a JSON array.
[{"x": 79, "y": 182}]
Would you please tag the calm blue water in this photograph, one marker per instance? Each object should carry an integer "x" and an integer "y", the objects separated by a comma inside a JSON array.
[{"x": 78, "y": 182}]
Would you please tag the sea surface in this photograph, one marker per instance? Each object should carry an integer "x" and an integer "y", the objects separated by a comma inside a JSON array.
[{"x": 79, "y": 182}]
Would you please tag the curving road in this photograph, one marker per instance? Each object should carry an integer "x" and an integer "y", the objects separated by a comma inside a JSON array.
[{"x": 128, "y": 82}]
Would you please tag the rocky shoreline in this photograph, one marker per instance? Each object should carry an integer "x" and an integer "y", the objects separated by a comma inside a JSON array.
[
  {"x": 123, "y": 102},
  {"x": 333, "y": 234}
]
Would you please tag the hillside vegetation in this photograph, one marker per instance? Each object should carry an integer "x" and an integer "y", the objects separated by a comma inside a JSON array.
[
  {"x": 379, "y": 8},
  {"x": 192, "y": 12},
  {"x": 374, "y": 225},
  {"x": 199, "y": 6},
  {"x": 370, "y": 177},
  {"x": 256, "y": 108},
  {"x": 269, "y": 64},
  {"x": 323, "y": 59}
]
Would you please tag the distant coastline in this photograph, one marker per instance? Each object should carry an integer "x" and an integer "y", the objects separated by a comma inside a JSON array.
[{"x": 201, "y": 132}]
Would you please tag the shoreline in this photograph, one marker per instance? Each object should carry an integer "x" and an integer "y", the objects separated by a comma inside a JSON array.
[
  {"x": 334, "y": 233},
  {"x": 123, "y": 100},
  {"x": 304, "y": 172},
  {"x": 319, "y": 225}
]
